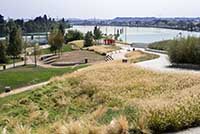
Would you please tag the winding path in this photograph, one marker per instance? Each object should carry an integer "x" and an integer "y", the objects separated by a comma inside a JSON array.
[{"x": 161, "y": 64}]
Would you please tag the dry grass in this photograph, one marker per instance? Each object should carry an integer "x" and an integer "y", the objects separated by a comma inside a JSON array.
[
  {"x": 20, "y": 129},
  {"x": 93, "y": 100},
  {"x": 103, "y": 49},
  {"x": 136, "y": 56},
  {"x": 78, "y": 44}
]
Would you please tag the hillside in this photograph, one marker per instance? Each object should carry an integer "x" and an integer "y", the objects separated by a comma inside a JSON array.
[{"x": 87, "y": 101}]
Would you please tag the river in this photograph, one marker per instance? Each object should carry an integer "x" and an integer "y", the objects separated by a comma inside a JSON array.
[{"x": 140, "y": 34}]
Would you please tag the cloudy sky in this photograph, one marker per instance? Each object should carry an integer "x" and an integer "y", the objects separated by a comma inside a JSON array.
[{"x": 99, "y": 8}]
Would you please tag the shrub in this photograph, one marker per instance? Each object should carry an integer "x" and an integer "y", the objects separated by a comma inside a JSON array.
[
  {"x": 161, "y": 45},
  {"x": 185, "y": 50},
  {"x": 73, "y": 35},
  {"x": 88, "y": 39}
]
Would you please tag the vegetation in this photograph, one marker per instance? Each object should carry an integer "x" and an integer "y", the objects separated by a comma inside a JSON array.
[
  {"x": 39, "y": 24},
  {"x": 15, "y": 43},
  {"x": 88, "y": 39},
  {"x": 97, "y": 33},
  {"x": 103, "y": 49},
  {"x": 73, "y": 35},
  {"x": 161, "y": 45},
  {"x": 65, "y": 48},
  {"x": 37, "y": 53},
  {"x": 18, "y": 77},
  {"x": 87, "y": 101},
  {"x": 77, "y": 44},
  {"x": 185, "y": 50},
  {"x": 2, "y": 26},
  {"x": 56, "y": 40},
  {"x": 3, "y": 55},
  {"x": 139, "y": 56}
]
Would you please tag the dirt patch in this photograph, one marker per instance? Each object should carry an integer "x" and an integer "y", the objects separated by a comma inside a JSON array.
[{"x": 81, "y": 55}]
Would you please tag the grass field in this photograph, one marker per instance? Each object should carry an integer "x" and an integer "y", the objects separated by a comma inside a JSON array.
[
  {"x": 24, "y": 76},
  {"x": 103, "y": 49},
  {"x": 139, "y": 56},
  {"x": 66, "y": 48},
  {"x": 106, "y": 99}
]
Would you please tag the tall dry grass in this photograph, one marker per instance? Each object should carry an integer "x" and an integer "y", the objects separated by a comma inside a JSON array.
[
  {"x": 138, "y": 56},
  {"x": 113, "y": 98}
]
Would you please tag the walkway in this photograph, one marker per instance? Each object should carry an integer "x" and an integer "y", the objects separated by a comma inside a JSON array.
[{"x": 23, "y": 89}]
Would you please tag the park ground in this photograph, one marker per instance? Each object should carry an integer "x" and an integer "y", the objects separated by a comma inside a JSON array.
[
  {"x": 106, "y": 98},
  {"x": 139, "y": 99}
]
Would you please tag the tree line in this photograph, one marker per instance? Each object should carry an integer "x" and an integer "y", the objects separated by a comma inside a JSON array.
[{"x": 39, "y": 24}]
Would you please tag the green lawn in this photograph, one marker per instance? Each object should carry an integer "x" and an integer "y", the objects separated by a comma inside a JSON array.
[
  {"x": 66, "y": 48},
  {"x": 24, "y": 76}
]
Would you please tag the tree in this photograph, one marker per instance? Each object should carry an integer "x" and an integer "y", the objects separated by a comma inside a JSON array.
[
  {"x": 3, "y": 58},
  {"x": 88, "y": 41},
  {"x": 2, "y": 26},
  {"x": 62, "y": 29},
  {"x": 97, "y": 33},
  {"x": 56, "y": 40},
  {"x": 37, "y": 53},
  {"x": 73, "y": 35},
  {"x": 15, "y": 44}
]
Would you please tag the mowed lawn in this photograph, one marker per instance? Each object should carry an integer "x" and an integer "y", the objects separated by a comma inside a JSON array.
[
  {"x": 24, "y": 76},
  {"x": 66, "y": 48}
]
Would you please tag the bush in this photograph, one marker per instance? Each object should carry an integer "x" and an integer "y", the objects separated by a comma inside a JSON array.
[
  {"x": 185, "y": 50},
  {"x": 88, "y": 39},
  {"x": 161, "y": 45},
  {"x": 73, "y": 35}
]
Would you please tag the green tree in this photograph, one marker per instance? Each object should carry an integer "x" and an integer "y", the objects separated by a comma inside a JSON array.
[
  {"x": 73, "y": 35},
  {"x": 3, "y": 58},
  {"x": 15, "y": 43},
  {"x": 62, "y": 29},
  {"x": 97, "y": 33},
  {"x": 88, "y": 41},
  {"x": 56, "y": 40},
  {"x": 37, "y": 53}
]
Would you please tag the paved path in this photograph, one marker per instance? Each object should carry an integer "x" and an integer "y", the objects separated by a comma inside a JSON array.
[
  {"x": 162, "y": 64},
  {"x": 23, "y": 89},
  {"x": 11, "y": 65},
  {"x": 120, "y": 54},
  {"x": 189, "y": 131}
]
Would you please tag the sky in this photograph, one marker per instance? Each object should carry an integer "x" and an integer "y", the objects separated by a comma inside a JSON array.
[{"x": 102, "y": 9}]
